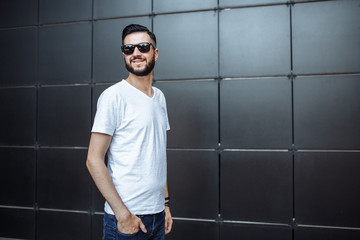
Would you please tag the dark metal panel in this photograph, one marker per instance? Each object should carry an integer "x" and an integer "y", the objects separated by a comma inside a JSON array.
[
  {"x": 108, "y": 64},
  {"x": 256, "y": 186},
  {"x": 116, "y": 8},
  {"x": 64, "y": 116},
  {"x": 188, "y": 45},
  {"x": 18, "y": 13},
  {"x": 97, "y": 227},
  {"x": 327, "y": 112},
  {"x": 193, "y": 184},
  {"x": 161, "y": 6},
  {"x": 190, "y": 230},
  {"x": 256, "y": 113},
  {"x": 98, "y": 200},
  {"x": 234, "y": 3},
  {"x": 193, "y": 113},
  {"x": 62, "y": 179},
  {"x": 255, "y": 41},
  {"x": 18, "y": 113},
  {"x": 63, "y": 225},
  {"x": 326, "y": 37},
  {"x": 65, "y": 10},
  {"x": 17, "y": 177},
  {"x": 327, "y": 188},
  {"x": 17, "y": 223},
  {"x": 65, "y": 53},
  {"x": 251, "y": 232},
  {"x": 325, "y": 233},
  {"x": 18, "y": 57}
]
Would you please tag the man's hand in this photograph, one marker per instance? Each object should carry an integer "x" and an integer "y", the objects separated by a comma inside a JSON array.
[
  {"x": 130, "y": 224},
  {"x": 168, "y": 220}
]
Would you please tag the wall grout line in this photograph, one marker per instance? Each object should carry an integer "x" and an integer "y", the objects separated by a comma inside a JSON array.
[
  {"x": 199, "y": 149},
  {"x": 37, "y": 86},
  {"x": 188, "y": 80}
]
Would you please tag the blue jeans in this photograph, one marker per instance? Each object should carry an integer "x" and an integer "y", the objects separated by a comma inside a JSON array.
[{"x": 154, "y": 223}]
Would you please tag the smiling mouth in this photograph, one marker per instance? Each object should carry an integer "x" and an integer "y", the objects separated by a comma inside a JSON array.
[{"x": 137, "y": 60}]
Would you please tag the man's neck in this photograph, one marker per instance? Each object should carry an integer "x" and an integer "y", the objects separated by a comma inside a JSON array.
[{"x": 143, "y": 83}]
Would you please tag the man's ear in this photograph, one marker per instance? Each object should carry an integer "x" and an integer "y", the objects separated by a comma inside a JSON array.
[{"x": 156, "y": 53}]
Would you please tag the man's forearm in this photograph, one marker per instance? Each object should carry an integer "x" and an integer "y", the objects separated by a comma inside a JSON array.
[
  {"x": 105, "y": 185},
  {"x": 99, "y": 144},
  {"x": 166, "y": 191}
]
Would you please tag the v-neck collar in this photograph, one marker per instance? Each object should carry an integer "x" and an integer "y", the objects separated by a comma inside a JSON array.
[{"x": 141, "y": 92}]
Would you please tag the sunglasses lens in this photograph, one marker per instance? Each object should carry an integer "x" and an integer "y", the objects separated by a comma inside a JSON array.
[
  {"x": 144, "y": 47},
  {"x": 128, "y": 49}
]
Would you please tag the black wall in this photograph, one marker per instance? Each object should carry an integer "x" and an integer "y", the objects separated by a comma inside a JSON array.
[{"x": 263, "y": 100}]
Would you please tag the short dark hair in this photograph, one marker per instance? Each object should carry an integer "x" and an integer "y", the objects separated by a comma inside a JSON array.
[{"x": 137, "y": 28}]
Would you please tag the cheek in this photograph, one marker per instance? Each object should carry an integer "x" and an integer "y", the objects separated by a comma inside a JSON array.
[{"x": 127, "y": 59}]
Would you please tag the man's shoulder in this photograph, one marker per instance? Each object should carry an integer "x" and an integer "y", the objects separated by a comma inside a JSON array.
[
  {"x": 158, "y": 91},
  {"x": 115, "y": 88}
]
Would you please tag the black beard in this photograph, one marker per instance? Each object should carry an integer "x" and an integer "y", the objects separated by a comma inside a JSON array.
[{"x": 140, "y": 73}]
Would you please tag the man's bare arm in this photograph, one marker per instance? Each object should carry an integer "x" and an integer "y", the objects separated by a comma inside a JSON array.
[
  {"x": 99, "y": 144},
  {"x": 168, "y": 217}
]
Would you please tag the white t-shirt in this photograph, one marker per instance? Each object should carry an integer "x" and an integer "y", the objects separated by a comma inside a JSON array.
[{"x": 137, "y": 153}]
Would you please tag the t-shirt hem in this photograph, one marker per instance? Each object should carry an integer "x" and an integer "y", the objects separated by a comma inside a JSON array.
[
  {"x": 139, "y": 212},
  {"x": 102, "y": 131}
]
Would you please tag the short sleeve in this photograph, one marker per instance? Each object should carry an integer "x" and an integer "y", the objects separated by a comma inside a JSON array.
[
  {"x": 106, "y": 118},
  {"x": 167, "y": 120},
  {"x": 166, "y": 113}
]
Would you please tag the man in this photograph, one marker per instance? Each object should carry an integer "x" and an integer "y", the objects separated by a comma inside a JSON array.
[{"x": 130, "y": 127}]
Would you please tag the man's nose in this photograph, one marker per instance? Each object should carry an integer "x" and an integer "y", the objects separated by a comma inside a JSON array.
[{"x": 136, "y": 52}]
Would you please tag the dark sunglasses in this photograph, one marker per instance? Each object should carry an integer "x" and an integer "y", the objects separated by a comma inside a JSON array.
[{"x": 143, "y": 47}]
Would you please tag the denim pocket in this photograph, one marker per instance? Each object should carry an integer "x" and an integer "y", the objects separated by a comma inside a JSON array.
[
  {"x": 127, "y": 235},
  {"x": 109, "y": 227}
]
